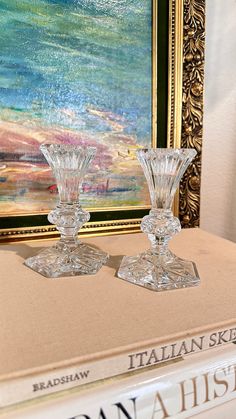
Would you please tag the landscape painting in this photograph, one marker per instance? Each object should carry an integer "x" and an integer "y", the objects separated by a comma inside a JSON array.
[{"x": 75, "y": 72}]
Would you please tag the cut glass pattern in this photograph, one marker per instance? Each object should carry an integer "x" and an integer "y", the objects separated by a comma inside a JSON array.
[
  {"x": 69, "y": 256},
  {"x": 158, "y": 268}
]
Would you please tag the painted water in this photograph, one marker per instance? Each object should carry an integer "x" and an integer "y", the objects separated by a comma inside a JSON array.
[{"x": 78, "y": 72}]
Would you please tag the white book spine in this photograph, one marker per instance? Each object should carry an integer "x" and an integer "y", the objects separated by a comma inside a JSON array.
[
  {"x": 34, "y": 385},
  {"x": 177, "y": 391}
]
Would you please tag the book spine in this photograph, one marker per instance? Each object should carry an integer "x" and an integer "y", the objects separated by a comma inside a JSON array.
[
  {"x": 225, "y": 410},
  {"x": 176, "y": 391},
  {"x": 37, "y": 385}
]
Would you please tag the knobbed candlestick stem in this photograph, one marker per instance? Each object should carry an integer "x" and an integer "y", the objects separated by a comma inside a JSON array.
[
  {"x": 159, "y": 268},
  {"x": 69, "y": 256},
  {"x": 68, "y": 218},
  {"x": 161, "y": 226}
]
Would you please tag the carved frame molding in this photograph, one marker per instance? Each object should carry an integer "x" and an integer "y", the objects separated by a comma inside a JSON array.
[
  {"x": 185, "y": 114},
  {"x": 186, "y": 57}
]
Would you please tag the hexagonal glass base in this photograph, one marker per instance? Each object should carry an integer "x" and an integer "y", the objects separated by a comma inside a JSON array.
[
  {"x": 159, "y": 273},
  {"x": 58, "y": 260}
]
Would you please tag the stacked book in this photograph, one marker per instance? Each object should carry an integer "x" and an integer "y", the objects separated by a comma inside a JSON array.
[{"x": 97, "y": 347}]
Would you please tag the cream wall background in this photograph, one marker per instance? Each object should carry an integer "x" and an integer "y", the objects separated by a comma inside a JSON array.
[{"x": 218, "y": 189}]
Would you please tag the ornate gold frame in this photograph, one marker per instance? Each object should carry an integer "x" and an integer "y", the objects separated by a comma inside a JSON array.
[
  {"x": 184, "y": 126},
  {"x": 185, "y": 111}
]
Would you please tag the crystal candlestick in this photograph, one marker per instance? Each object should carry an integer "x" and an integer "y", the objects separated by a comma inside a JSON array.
[
  {"x": 158, "y": 268},
  {"x": 69, "y": 256}
]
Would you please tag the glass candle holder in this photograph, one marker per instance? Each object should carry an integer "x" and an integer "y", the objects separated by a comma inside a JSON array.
[
  {"x": 69, "y": 256},
  {"x": 158, "y": 268}
]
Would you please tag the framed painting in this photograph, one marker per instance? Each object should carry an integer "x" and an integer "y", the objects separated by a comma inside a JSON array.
[{"x": 116, "y": 75}]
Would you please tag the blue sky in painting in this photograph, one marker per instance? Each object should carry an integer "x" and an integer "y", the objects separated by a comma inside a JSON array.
[
  {"x": 78, "y": 72},
  {"x": 77, "y": 55}
]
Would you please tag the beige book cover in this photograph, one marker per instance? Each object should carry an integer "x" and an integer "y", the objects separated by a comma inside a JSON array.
[
  {"x": 174, "y": 390},
  {"x": 60, "y": 333}
]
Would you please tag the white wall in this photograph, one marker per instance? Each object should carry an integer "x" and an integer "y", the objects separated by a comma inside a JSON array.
[{"x": 218, "y": 190}]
